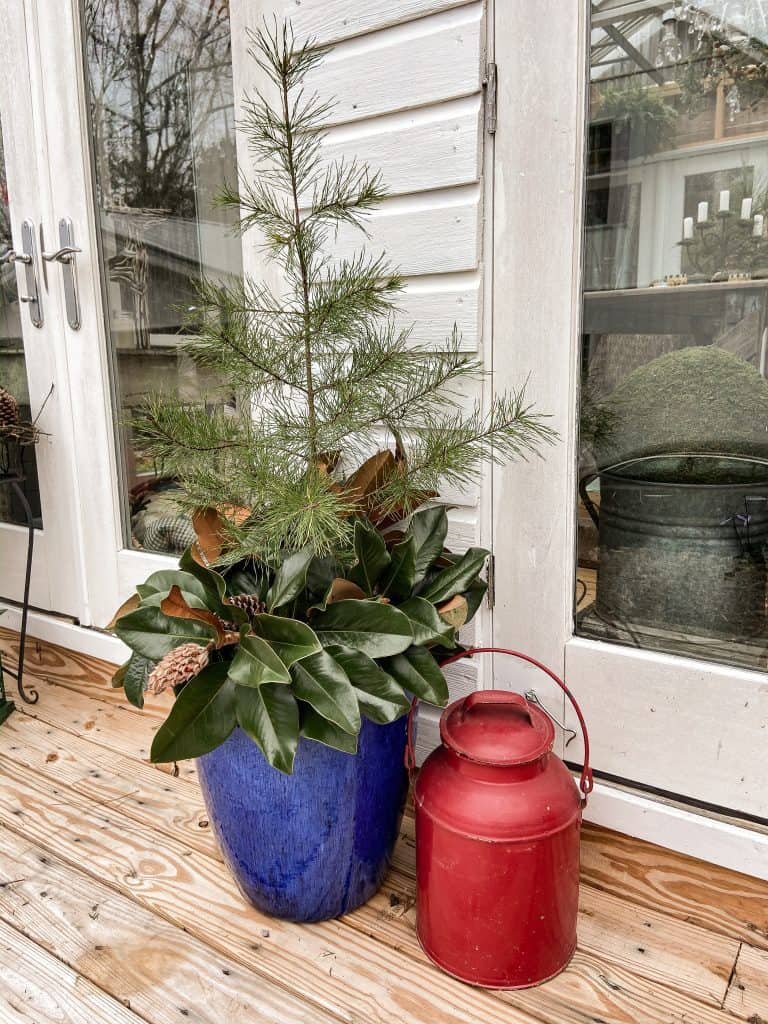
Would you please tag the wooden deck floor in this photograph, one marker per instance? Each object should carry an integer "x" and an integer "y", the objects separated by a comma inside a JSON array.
[{"x": 115, "y": 907}]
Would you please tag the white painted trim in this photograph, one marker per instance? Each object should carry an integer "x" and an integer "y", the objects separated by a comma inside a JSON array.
[
  {"x": 696, "y": 834},
  {"x": 63, "y": 633}
]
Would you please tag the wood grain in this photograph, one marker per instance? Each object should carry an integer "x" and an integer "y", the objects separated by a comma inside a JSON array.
[
  {"x": 39, "y": 989},
  {"x": 655, "y": 946},
  {"x": 417, "y": 150},
  {"x": 747, "y": 995},
  {"x": 363, "y": 978},
  {"x": 681, "y": 887},
  {"x": 331, "y": 20},
  {"x": 591, "y": 988},
  {"x": 411, "y": 65},
  {"x": 162, "y": 974}
]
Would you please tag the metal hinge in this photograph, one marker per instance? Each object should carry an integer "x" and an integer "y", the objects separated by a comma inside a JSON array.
[
  {"x": 490, "y": 576},
  {"x": 491, "y": 90}
]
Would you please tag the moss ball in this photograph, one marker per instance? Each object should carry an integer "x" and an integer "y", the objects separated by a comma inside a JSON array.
[{"x": 699, "y": 399}]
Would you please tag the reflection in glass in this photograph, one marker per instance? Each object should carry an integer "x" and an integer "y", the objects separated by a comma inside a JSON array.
[
  {"x": 15, "y": 459},
  {"x": 162, "y": 118},
  {"x": 673, "y": 474}
]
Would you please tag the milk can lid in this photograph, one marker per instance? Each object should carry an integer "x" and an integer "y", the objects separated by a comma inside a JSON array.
[{"x": 497, "y": 727}]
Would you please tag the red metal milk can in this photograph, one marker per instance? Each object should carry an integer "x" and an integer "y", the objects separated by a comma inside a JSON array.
[{"x": 497, "y": 841}]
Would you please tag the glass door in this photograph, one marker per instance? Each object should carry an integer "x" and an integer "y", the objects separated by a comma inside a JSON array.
[
  {"x": 36, "y": 482},
  {"x": 153, "y": 85},
  {"x": 631, "y": 255}
]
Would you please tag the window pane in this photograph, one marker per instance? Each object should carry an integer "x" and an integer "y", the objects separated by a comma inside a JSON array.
[
  {"x": 162, "y": 118},
  {"x": 673, "y": 461},
  {"x": 15, "y": 459}
]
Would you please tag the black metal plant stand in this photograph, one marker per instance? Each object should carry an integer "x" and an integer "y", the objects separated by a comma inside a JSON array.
[{"x": 14, "y": 481}]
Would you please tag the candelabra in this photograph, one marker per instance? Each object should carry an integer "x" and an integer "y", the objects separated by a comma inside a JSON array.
[{"x": 729, "y": 246}]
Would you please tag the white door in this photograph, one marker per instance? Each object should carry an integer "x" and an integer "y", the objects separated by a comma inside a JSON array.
[
  {"x": 630, "y": 256},
  {"x": 36, "y": 481},
  {"x": 140, "y": 122}
]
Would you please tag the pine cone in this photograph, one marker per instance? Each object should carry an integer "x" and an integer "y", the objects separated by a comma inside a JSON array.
[
  {"x": 9, "y": 408},
  {"x": 178, "y": 666},
  {"x": 251, "y": 604}
]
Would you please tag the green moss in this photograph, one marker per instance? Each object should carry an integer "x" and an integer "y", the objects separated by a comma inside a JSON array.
[{"x": 700, "y": 399}]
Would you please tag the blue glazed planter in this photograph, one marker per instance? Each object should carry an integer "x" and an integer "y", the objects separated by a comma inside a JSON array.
[{"x": 312, "y": 845}]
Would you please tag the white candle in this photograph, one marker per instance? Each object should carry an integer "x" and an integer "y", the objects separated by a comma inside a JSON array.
[
  {"x": 757, "y": 230},
  {"x": 688, "y": 227},
  {"x": 703, "y": 212},
  {"x": 746, "y": 209},
  {"x": 725, "y": 201}
]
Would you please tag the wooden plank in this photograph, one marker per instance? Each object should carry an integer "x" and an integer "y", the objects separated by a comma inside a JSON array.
[
  {"x": 161, "y": 973},
  {"x": 591, "y": 989},
  {"x": 433, "y": 234},
  {"x": 411, "y": 65},
  {"x": 747, "y": 995},
  {"x": 417, "y": 150},
  {"x": 690, "y": 890},
  {"x": 658, "y": 948},
  {"x": 360, "y": 980},
  {"x": 105, "y": 776},
  {"x": 39, "y": 989},
  {"x": 432, "y": 305},
  {"x": 331, "y": 20}
]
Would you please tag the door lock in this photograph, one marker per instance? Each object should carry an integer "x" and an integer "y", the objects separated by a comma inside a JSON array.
[{"x": 65, "y": 255}]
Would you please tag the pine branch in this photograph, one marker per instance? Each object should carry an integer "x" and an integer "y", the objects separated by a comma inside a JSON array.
[{"x": 320, "y": 365}]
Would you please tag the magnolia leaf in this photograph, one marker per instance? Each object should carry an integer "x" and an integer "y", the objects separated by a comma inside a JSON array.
[
  {"x": 344, "y": 590},
  {"x": 119, "y": 675},
  {"x": 213, "y": 583},
  {"x": 379, "y": 696},
  {"x": 136, "y": 677},
  {"x": 319, "y": 729},
  {"x": 201, "y": 718},
  {"x": 474, "y": 596},
  {"x": 270, "y": 716},
  {"x": 372, "y": 557},
  {"x": 369, "y": 477},
  {"x": 456, "y": 577},
  {"x": 149, "y": 632},
  {"x": 455, "y": 612},
  {"x": 426, "y": 624},
  {"x": 321, "y": 682},
  {"x": 384, "y": 518},
  {"x": 176, "y": 606},
  {"x": 428, "y": 528},
  {"x": 290, "y": 580},
  {"x": 162, "y": 581},
  {"x": 210, "y": 527},
  {"x": 418, "y": 672},
  {"x": 399, "y": 578},
  {"x": 290, "y": 639},
  {"x": 255, "y": 663},
  {"x": 133, "y": 677},
  {"x": 245, "y": 580},
  {"x": 130, "y": 605},
  {"x": 376, "y": 629}
]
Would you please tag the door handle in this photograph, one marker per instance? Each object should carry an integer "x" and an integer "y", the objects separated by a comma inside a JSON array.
[
  {"x": 28, "y": 258},
  {"x": 11, "y": 256},
  {"x": 65, "y": 255}
]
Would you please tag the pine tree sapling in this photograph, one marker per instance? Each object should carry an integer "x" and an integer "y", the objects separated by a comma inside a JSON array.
[{"x": 317, "y": 565}]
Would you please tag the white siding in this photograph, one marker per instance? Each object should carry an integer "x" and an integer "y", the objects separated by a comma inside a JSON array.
[{"x": 407, "y": 80}]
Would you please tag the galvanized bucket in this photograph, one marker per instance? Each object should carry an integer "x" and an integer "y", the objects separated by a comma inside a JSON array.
[{"x": 685, "y": 557}]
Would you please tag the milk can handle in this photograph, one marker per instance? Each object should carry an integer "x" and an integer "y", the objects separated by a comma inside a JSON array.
[{"x": 586, "y": 782}]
